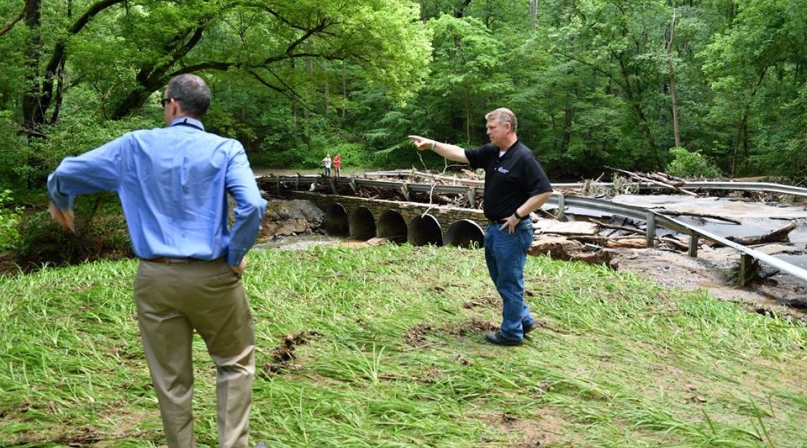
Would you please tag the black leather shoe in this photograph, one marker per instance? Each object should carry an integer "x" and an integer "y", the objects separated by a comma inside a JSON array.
[
  {"x": 496, "y": 338},
  {"x": 528, "y": 328}
]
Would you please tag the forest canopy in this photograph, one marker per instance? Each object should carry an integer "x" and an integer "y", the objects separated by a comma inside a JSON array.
[{"x": 636, "y": 84}]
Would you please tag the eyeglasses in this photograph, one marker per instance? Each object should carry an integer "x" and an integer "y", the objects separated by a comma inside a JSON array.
[{"x": 166, "y": 100}]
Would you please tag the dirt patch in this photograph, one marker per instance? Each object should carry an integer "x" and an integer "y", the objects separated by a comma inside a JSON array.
[
  {"x": 714, "y": 271},
  {"x": 546, "y": 428},
  {"x": 416, "y": 336},
  {"x": 283, "y": 355}
]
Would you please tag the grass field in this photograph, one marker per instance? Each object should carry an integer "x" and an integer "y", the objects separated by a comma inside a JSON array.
[{"x": 384, "y": 347}]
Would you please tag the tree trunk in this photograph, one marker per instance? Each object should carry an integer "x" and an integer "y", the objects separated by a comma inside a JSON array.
[
  {"x": 568, "y": 120},
  {"x": 326, "y": 90},
  {"x": 33, "y": 109},
  {"x": 637, "y": 107},
  {"x": 673, "y": 91},
  {"x": 39, "y": 95}
]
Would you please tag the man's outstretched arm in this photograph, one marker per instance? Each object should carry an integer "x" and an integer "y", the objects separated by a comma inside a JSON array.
[{"x": 450, "y": 152}]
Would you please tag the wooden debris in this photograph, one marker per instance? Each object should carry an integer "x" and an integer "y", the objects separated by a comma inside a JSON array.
[
  {"x": 700, "y": 215},
  {"x": 770, "y": 237},
  {"x": 623, "y": 228},
  {"x": 626, "y": 243},
  {"x": 680, "y": 245},
  {"x": 566, "y": 228},
  {"x": 653, "y": 181}
]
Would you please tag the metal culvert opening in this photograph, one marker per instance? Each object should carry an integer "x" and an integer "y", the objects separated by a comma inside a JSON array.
[
  {"x": 362, "y": 224},
  {"x": 465, "y": 233},
  {"x": 425, "y": 230}
]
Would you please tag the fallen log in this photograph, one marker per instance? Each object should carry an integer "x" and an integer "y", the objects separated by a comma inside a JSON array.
[
  {"x": 674, "y": 242},
  {"x": 627, "y": 243},
  {"x": 565, "y": 228},
  {"x": 623, "y": 228},
  {"x": 652, "y": 181},
  {"x": 700, "y": 215},
  {"x": 773, "y": 236},
  {"x": 661, "y": 177}
]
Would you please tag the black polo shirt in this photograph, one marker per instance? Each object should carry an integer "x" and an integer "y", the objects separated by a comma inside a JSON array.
[{"x": 509, "y": 180}]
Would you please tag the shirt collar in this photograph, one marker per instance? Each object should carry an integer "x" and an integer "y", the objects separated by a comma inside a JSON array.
[
  {"x": 188, "y": 121},
  {"x": 504, "y": 154}
]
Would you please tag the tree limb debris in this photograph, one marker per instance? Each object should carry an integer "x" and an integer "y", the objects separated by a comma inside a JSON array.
[
  {"x": 648, "y": 179},
  {"x": 773, "y": 236},
  {"x": 700, "y": 215}
]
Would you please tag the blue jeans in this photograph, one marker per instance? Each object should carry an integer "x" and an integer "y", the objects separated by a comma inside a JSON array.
[{"x": 505, "y": 255}]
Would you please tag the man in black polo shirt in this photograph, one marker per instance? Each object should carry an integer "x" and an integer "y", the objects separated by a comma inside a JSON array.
[{"x": 515, "y": 186}]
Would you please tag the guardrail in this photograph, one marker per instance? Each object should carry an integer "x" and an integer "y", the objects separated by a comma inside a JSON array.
[
  {"x": 478, "y": 185},
  {"x": 474, "y": 189},
  {"x": 748, "y": 256}
]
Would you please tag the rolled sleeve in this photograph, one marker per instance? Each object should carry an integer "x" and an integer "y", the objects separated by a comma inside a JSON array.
[{"x": 249, "y": 207}]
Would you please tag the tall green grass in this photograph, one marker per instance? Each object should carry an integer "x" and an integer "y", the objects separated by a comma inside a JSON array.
[{"x": 386, "y": 348}]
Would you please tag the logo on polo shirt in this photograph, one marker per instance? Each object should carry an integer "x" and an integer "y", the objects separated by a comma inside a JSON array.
[{"x": 502, "y": 170}]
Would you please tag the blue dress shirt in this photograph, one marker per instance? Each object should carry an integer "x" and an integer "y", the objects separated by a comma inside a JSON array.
[{"x": 173, "y": 184}]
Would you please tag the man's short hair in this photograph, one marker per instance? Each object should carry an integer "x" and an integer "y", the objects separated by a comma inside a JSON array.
[
  {"x": 502, "y": 116},
  {"x": 192, "y": 93}
]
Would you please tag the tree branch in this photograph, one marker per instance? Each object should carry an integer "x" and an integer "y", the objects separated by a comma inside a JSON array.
[{"x": 8, "y": 27}]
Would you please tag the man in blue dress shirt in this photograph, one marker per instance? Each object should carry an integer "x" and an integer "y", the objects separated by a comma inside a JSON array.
[{"x": 173, "y": 184}]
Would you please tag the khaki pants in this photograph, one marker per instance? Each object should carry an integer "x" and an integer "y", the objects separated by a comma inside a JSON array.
[{"x": 172, "y": 301}]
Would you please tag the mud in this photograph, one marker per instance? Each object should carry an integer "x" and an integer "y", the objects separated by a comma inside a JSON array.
[{"x": 776, "y": 295}]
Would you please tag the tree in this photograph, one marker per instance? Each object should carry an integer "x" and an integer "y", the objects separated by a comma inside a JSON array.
[
  {"x": 128, "y": 50},
  {"x": 757, "y": 69}
]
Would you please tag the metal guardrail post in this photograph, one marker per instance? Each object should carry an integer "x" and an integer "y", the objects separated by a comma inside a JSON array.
[
  {"x": 472, "y": 196},
  {"x": 561, "y": 207},
  {"x": 353, "y": 185},
  {"x": 297, "y": 182},
  {"x": 333, "y": 185},
  {"x": 405, "y": 191},
  {"x": 693, "y": 245},
  {"x": 650, "y": 232},
  {"x": 748, "y": 269}
]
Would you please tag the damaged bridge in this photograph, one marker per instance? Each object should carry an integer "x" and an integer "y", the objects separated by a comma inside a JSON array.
[{"x": 420, "y": 219}]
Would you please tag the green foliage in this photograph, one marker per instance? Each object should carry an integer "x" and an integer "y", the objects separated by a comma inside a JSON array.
[
  {"x": 73, "y": 135},
  {"x": 101, "y": 232},
  {"x": 589, "y": 81},
  {"x": 12, "y": 153},
  {"x": 690, "y": 165},
  {"x": 9, "y": 219}
]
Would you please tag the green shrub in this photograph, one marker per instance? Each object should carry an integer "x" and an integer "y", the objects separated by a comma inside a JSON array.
[
  {"x": 101, "y": 232},
  {"x": 9, "y": 217},
  {"x": 691, "y": 165}
]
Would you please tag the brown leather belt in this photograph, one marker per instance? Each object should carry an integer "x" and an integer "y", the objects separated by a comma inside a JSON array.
[{"x": 169, "y": 260}]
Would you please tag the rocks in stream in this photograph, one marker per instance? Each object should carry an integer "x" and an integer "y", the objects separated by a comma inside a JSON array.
[{"x": 290, "y": 217}]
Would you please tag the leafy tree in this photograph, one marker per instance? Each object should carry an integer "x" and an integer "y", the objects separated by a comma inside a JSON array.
[
  {"x": 757, "y": 71},
  {"x": 129, "y": 50}
]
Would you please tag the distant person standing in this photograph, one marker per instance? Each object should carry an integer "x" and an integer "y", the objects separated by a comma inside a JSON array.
[
  {"x": 515, "y": 186},
  {"x": 173, "y": 184},
  {"x": 337, "y": 164},
  {"x": 327, "y": 163}
]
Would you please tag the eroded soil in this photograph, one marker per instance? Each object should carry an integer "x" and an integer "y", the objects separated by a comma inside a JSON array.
[{"x": 714, "y": 271}]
